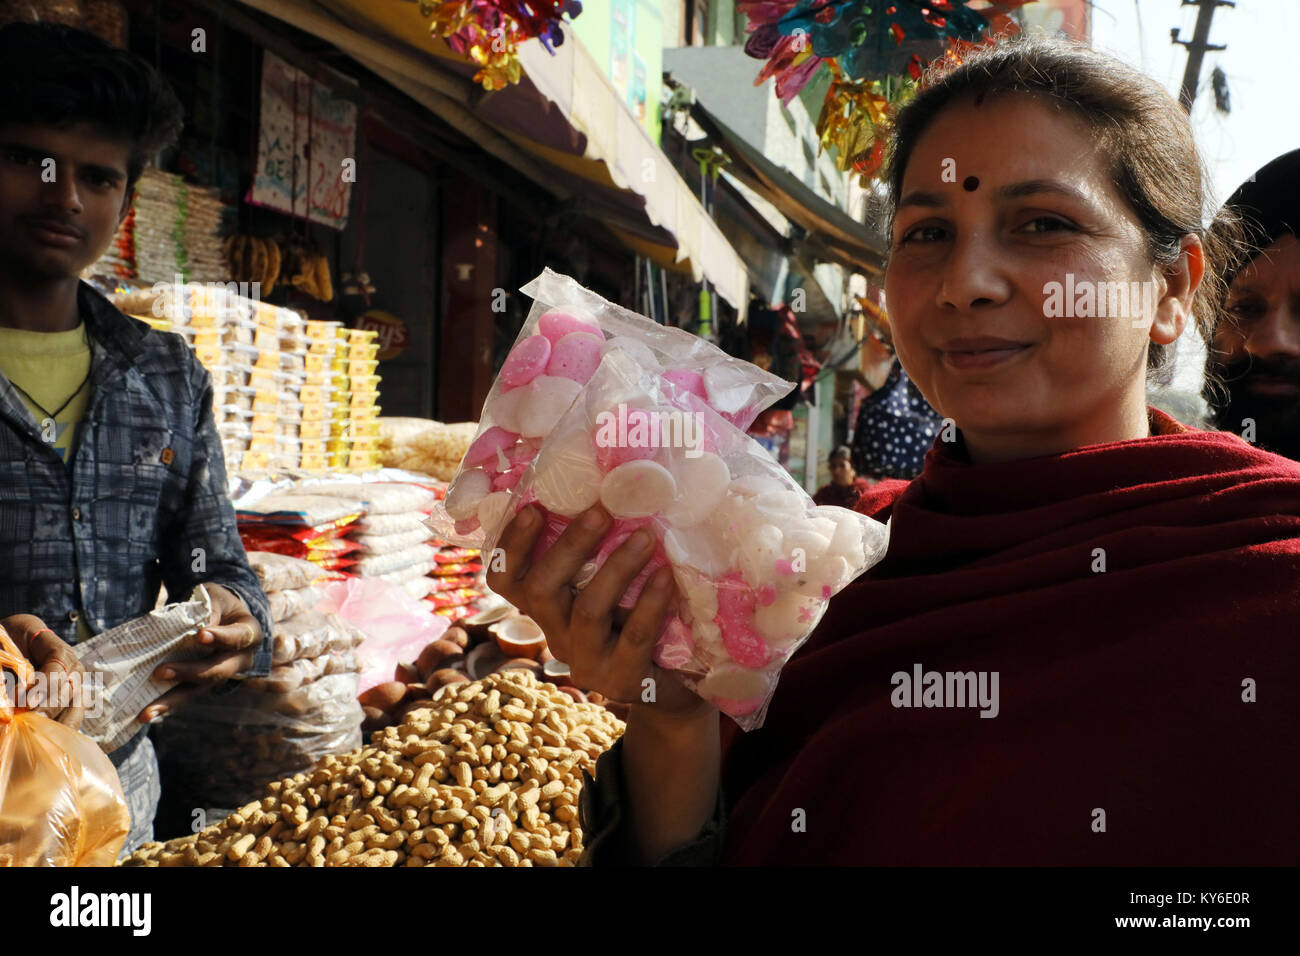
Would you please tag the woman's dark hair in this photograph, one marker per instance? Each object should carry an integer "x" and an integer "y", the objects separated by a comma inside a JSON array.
[
  {"x": 1155, "y": 165},
  {"x": 55, "y": 75}
]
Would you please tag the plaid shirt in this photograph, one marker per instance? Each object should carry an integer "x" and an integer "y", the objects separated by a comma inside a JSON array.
[{"x": 143, "y": 502}]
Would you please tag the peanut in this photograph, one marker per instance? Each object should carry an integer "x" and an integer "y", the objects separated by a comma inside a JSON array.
[{"x": 489, "y": 775}]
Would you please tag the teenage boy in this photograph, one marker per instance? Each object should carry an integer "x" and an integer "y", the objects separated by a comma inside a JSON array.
[{"x": 111, "y": 473}]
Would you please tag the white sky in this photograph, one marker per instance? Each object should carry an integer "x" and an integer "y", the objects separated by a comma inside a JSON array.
[{"x": 1260, "y": 63}]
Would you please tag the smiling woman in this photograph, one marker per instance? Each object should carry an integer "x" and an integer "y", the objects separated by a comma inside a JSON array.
[
  {"x": 1090, "y": 181},
  {"x": 1117, "y": 586}
]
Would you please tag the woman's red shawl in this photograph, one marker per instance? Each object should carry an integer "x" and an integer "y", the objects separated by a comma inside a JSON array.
[{"x": 1121, "y": 692}]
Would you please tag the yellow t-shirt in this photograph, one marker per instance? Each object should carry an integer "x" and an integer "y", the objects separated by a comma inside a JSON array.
[{"x": 48, "y": 368}]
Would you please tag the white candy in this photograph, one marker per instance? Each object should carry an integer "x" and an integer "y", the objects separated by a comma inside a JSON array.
[
  {"x": 708, "y": 634},
  {"x": 728, "y": 387},
  {"x": 783, "y": 506},
  {"x": 697, "y": 548},
  {"x": 847, "y": 540},
  {"x": 567, "y": 478},
  {"x": 704, "y": 483},
  {"x": 760, "y": 549},
  {"x": 700, "y": 593},
  {"x": 733, "y": 682},
  {"x": 607, "y": 399},
  {"x": 749, "y": 485},
  {"x": 635, "y": 349},
  {"x": 464, "y": 496},
  {"x": 806, "y": 544},
  {"x": 493, "y": 511},
  {"x": 783, "y": 621},
  {"x": 823, "y": 526},
  {"x": 829, "y": 569},
  {"x": 506, "y": 406},
  {"x": 638, "y": 489},
  {"x": 548, "y": 398}
]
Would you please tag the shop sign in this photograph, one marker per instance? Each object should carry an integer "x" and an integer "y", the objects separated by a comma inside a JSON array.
[
  {"x": 392, "y": 333},
  {"x": 306, "y": 141}
]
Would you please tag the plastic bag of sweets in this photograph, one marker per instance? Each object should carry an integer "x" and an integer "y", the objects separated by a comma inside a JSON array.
[
  {"x": 568, "y": 330},
  {"x": 754, "y": 560}
]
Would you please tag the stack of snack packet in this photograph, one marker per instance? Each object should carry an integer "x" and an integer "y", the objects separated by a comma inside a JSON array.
[
  {"x": 176, "y": 230},
  {"x": 300, "y": 523},
  {"x": 458, "y": 585},
  {"x": 320, "y": 429},
  {"x": 362, "y": 419},
  {"x": 276, "y": 379}
]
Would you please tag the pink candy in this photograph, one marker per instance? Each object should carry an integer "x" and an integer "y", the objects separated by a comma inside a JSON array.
[
  {"x": 526, "y": 361},
  {"x": 575, "y": 356},
  {"x": 735, "y": 599},
  {"x": 506, "y": 480},
  {"x": 735, "y": 615},
  {"x": 745, "y": 645},
  {"x": 467, "y": 525},
  {"x": 556, "y": 324},
  {"x": 485, "y": 447},
  {"x": 688, "y": 381}
]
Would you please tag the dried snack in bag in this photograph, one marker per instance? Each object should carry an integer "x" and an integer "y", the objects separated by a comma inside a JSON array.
[
  {"x": 222, "y": 751},
  {"x": 457, "y": 570},
  {"x": 61, "y": 803},
  {"x": 278, "y": 572},
  {"x": 287, "y": 603},
  {"x": 568, "y": 332},
  {"x": 754, "y": 560}
]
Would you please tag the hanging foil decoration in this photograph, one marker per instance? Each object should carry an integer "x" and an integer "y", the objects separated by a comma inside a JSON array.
[
  {"x": 875, "y": 52},
  {"x": 489, "y": 31}
]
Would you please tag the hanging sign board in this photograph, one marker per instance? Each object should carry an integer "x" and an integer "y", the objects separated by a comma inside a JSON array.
[{"x": 306, "y": 148}]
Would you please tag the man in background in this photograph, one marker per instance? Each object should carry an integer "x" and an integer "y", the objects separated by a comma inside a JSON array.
[
  {"x": 1256, "y": 351},
  {"x": 112, "y": 479}
]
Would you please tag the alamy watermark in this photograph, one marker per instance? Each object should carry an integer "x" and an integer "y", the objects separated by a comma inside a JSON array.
[
  {"x": 1085, "y": 299},
  {"x": 172, "y": 299},
  {"x": 657, "y": 428},
  {"x": 58, "y": 690},
  {"x": 922, "y": 688}
]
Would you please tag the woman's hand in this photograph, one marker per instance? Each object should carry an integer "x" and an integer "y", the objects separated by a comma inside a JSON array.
[
  {"x": 62, "y": 694},
  {"x": 607, "y": 649},
  {"x": 671, "y": 762}
]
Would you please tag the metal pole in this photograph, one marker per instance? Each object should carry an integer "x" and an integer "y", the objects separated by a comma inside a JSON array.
[{"x": 1196, "y": 47}]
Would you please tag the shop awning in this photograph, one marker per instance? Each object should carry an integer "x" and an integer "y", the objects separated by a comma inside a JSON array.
[
  {"x": 831, "y": 234},
  {"x": 563, "y": 127}
]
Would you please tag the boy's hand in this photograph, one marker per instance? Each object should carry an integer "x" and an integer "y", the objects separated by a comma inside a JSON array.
[
  {"x": 233, "y": 635},
  {"x": 64, "y": 675}
]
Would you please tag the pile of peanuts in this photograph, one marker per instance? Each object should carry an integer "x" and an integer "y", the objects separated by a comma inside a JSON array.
[{"x": 488, "y": 775}]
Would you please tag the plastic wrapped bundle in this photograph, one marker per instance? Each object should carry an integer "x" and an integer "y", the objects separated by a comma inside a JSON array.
[
  {"x": 221, "y": 752},
  {"x": 425, "y": 446},
  {"x": 754, "y": 560}
]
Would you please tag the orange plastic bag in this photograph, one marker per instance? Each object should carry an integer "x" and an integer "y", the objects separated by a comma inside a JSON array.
[{"x": 61, "y": 803}]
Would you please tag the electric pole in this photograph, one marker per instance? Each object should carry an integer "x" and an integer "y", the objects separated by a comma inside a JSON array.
[{"x": 1197, "y": 46}]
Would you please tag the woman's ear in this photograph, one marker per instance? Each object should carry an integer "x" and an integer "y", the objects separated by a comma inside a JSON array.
[{"x": 1181, "y": 278}]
